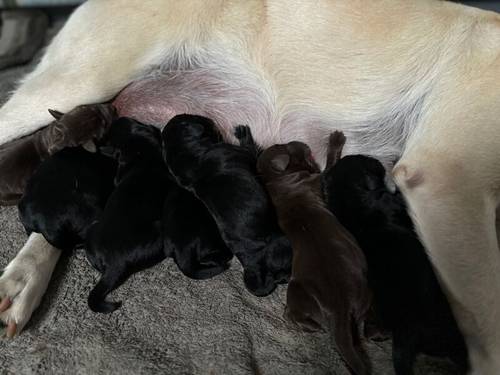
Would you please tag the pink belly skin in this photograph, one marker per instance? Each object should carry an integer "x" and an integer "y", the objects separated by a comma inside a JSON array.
[
  {"x": 230, "y": 98},
  {"x": 156, "y": 100}
]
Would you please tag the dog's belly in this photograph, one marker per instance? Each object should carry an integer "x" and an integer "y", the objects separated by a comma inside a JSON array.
[
  {"x": 234, "y": 96},
  {"x": 228, "y": 100}
]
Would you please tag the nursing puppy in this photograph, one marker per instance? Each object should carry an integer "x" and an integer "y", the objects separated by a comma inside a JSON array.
[
  {"x": 192, "y": 237},
  {"x": 127, "y": 237},
  {"x": 223, "y": 177},
  {"x": 65, "y": 195},
  {"x": 328, "y": 288},
  {"x": 20, "y": 158},
  {"x": 415, "y": 81},
  {"x": 407, "y": 297}
]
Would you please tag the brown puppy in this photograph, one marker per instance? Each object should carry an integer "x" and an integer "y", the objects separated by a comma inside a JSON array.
[
  {"x": 20, "y": 158},
  {"x": 328, "y": 288}
]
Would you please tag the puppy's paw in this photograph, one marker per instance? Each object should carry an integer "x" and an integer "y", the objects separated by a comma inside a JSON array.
[
  {"x": 258, "y": 282},
  {"x": 242, "y": 132},
  {"x": 375, "y": 333},
  {"x": 303, "y": 322},
  {"x": 337, "y": 140}
]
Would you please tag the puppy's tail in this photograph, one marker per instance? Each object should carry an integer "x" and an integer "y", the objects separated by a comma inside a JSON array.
[
  {"x": 97, "y": 297},
  {"x": 344, "y": 332}
]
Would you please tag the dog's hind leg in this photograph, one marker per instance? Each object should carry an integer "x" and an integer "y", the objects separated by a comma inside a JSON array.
[
  {"x": 404, "y": 351},
  {"x": 303, "y": 308},
  {"x": 24, "y": 282},
  {"x": 449, "y": 179},
  {"x": 108, "y": 282}
]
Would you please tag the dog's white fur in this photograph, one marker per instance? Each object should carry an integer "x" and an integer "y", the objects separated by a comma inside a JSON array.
[
  {"x": 26, "y": 278},
  {"x": 416, "y": 80}
]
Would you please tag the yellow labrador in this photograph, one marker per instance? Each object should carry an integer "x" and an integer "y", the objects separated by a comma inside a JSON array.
[{"x": 415, "y": 81}]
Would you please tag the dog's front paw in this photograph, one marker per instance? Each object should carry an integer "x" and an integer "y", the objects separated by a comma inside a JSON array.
[
  {"x": 24, "y": 282},
  {"x": 18, "y": 295}
]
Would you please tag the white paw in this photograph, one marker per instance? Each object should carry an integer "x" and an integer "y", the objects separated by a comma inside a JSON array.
[{"x": 24, "y": 282}]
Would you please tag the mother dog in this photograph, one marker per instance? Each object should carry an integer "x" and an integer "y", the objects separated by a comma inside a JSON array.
[{"x": 414, "y": 81}]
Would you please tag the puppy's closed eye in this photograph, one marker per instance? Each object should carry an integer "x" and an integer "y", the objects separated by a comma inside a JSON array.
[{"x": 90, "y": 146}]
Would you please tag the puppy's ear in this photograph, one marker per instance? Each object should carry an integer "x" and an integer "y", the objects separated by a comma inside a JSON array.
[
  {"x": 280, "y": 162},
  {"x": 56, "y": 114},
  {"x": 57, "y": 138},
  {"x": 90, "y": 146}
]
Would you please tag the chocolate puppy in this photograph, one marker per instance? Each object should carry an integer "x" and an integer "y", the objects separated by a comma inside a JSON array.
[
  {"x": 65, "y": 195},
  {"x": 328, "y": 288},
  {"x": 223, "y": 177},
  {"x": 20, "y": 158},
  {"x": 407, "y": 297},
  {"x": 127, "y": 238}
]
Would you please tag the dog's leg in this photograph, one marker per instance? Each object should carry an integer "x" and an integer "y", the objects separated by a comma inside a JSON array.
[
  {"x": 336, "y": 143},
  {"x": 24, "y": 281},
  {"x": 449, "y": 186},
  {"x": 404, "y": 351},
  {"x": 91, "y": 60},
  {"x": 107, "y": 283}
]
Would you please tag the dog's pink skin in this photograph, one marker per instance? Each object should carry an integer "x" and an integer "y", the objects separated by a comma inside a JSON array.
[
  {"x": 155, "y": 100},
  {"x": 5, "y": 304}
]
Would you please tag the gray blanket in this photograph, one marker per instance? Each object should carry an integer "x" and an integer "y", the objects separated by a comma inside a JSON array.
[{"x": 168, "y": 324}]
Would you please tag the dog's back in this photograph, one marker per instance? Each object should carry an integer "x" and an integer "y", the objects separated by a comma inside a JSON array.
[
  {"x": 192, "y": 237},
  {"x": 66, "y": 194},
  {"x": 127, "y": 238},
  {"x": 223, "y": 176},
  {"x": 325, "y": 253},
  {"x": 408, "y": 298},
  {"x": 328, "y": 288}
]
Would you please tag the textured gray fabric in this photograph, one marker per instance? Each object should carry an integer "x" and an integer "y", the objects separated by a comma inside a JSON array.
[
  {"x": 168, "y": 324},
  {"x": 22, "y": 34}
]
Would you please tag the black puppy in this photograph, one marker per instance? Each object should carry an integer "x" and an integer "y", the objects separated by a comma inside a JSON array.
[
  {"x": 127, "y": 238},
  {"x": 223, "y": 177},
  {"x": 65, "y": 195},
  {"x": 408, "y": 299},
  {"x": 192, "y": 237}
]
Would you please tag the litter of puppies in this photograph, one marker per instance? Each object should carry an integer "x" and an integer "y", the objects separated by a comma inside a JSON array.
[{"x": 132, "y": 196}]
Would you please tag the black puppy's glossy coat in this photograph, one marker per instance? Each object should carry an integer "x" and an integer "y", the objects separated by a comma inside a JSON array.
[
  {"x": 192, "y": 237},
  {"x": 65, "y": 195},
  {"x": 408, "y": 299},
  {"x": 127, "y": 238},
  {"x": 223, "y": 177}
]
